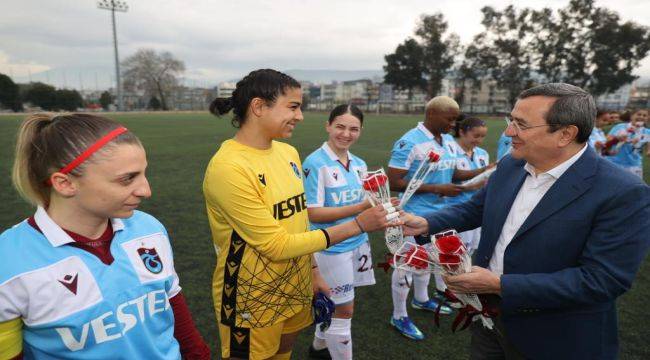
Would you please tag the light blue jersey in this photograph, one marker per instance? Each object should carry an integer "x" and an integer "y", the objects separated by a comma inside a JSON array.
[
  {"x": 76, "y": 307},
  {"x": 410, "y": 150},
  {"x": 504, "y": 146},
  {"x": 480, "y": 159},
  {"x": 597, "y": 135},
  {"x": 328, "y": 183},
  {"x": 628, "y": 155}
]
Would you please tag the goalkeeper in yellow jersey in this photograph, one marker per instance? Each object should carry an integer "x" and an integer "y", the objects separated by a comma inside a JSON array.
[{"x": 262, "y": 284}]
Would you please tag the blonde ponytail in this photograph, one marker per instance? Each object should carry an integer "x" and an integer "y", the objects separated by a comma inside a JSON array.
[{"x": 23, "y": 175}]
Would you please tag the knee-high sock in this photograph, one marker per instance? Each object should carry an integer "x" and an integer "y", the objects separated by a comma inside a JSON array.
[
  {"x": 339, "y": 339},
  {"x": 440, "y": 284},
  {"x": 400, "y": 283},
  {"x": 421, "y": 287},
  {"x": 319, "y": 339}
]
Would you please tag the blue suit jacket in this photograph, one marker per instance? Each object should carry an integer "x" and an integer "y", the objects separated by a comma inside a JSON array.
[{"x": 577, "y": 251}]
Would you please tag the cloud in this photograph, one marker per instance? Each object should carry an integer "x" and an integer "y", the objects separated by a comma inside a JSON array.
[
  {"x": 224, "y": 40},
  {"x": 19, "y": 69}
]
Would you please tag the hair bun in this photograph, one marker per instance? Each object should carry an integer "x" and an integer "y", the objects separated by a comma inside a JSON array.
[{"x": 220, "y": 106}]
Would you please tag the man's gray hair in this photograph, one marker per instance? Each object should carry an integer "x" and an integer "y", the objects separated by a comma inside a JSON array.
[{"x": 574, "y": 106}]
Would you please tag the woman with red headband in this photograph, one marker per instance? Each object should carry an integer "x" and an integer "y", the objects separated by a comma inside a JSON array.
[{"x": 89, "y": 277}]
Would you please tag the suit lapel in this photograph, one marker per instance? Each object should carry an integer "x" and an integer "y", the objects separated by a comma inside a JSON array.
[{"x": 567, "y": 188}]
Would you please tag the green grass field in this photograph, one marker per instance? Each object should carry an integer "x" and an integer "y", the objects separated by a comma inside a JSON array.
[{"x": 179, "y": 147}]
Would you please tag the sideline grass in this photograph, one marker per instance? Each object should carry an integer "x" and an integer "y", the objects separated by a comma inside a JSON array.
[{"x": 179, "y": 146}]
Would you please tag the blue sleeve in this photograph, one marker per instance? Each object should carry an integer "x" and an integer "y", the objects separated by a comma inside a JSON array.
[
  {"x": 613, "y": 252},
  {"x": 616, "y": 129},
  {"x": 400, "y": 155},
  {"x": 314, "y": 186}
]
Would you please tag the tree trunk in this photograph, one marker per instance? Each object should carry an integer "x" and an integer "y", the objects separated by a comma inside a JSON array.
[{"x": 163, "y": 102}]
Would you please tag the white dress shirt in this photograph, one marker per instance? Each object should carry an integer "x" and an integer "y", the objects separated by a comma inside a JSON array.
[{"x": 530, "y": 193}]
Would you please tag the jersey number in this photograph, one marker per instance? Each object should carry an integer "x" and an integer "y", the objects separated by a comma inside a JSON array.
[{"x": 363, "y": 267}]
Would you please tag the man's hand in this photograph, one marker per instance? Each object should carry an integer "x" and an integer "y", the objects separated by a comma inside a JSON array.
[
  {"x": 413, "y": 225},
  {"x": 479, "y": 281},
  {"x": 449, "y": 189}
]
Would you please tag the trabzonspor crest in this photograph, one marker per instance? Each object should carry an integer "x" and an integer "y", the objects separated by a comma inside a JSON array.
[{"x": 151, "y": 260}]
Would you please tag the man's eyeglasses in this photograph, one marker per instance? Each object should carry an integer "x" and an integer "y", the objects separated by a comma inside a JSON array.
[{"x": 518, "y": 127}]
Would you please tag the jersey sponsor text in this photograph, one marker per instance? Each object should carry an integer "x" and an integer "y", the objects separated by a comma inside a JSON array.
[
  {"x": 128, "y": 315},
  {"x": 287, "y": 208},
  {"x": 347, "y": 196}
]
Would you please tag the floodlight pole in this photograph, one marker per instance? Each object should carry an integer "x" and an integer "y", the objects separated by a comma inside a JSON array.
[{"x": 113, "y": 6}]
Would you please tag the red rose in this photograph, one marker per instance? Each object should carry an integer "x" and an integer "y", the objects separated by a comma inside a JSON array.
[
  {"x": 374, "y": 182},
  {"x": 450, "y": 244},
  {"x": 449, "y": 259},
  {"x": 433, "y": 157},
  {"x": 417, "y": 257}
]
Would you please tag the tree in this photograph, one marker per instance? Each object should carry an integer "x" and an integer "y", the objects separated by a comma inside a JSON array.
[
  {"x": 69, "y": 100},
  {"x": 439, "y": 51},
  {"x": 41, "y": 95},
  {"x": 155, "y": 73},
  {"x": 154, "y": 103},
  {"x": 404, "y": 68},
  {"x": 589, "y": 47},
  {"x": 105, "y": 100},
  {"x": 9, "y": 94},
  {"x": 504, "y": 51}
]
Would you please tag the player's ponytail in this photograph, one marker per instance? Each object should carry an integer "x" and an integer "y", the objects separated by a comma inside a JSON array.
[
  {"x": 47, "y": 143},
  {"x": 220, "y": 106},
  {"x": 22, "y": 173},
  {"x": 266, "y": 84}
]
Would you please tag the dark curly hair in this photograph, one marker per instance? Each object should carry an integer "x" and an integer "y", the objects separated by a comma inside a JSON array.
[{"x": 266, "y": 84}]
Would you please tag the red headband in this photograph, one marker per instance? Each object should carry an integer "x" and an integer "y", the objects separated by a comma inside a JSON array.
[{"x": 91, "y": 150}]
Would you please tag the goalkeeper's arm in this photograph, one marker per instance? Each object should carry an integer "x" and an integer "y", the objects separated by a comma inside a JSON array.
[{"x": 11, "y": 339}]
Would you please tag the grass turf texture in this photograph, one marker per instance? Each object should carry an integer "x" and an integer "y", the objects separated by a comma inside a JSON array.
[{"x": 178, "y": 149}]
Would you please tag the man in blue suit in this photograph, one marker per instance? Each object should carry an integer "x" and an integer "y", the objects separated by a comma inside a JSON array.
[{"x": 563, "y": 235}]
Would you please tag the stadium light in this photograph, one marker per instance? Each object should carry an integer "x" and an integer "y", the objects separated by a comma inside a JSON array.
[{"x": 113, "y": 6}]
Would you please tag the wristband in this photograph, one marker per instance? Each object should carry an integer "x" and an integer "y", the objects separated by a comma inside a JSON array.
[{"x": 327, "y": 237}]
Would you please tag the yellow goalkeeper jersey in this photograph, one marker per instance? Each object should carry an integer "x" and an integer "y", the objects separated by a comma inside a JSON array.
[{"x": 256, "y": 208}]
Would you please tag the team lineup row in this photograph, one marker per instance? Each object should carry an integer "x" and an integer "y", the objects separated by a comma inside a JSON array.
[{"x": 94, "y": 278}]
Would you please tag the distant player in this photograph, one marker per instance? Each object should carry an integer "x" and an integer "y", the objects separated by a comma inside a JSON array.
[
  {"x": 87, "y": 276},
  {"x": 598, "y": 139},
  {"x": 469, "y": 135},
  {"x": 633, "y": 138},
  {"x": 257, "y": 209},
  {"x": 408, "y": 152},
  {"x": 335, "y": 195}
]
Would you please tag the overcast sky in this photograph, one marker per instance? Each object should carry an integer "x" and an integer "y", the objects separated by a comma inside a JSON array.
[{"x": 70, "y": 40}]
